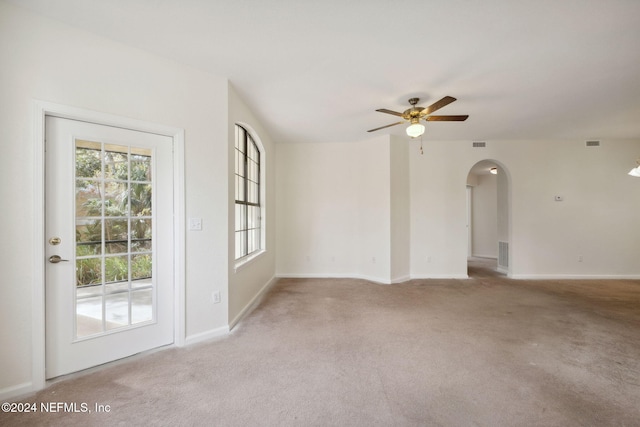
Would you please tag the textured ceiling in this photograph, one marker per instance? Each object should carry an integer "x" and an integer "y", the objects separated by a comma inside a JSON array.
[{"x": 316, "y": 71}]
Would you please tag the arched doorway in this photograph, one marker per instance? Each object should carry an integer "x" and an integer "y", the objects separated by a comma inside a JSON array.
[{"x": 488, "y": 216}]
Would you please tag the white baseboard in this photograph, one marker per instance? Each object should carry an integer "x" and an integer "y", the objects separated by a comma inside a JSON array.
[
  {"x": 400, "y": 279},
  {"x": 463, "y": 276},
  {"x": 14, "y": 392},
  {"x": 574, "y": 277},
  {"x": 370, "y": 278},
  {"x": 317, "y": 276},
  {"x": 253, "y": 303},
  {"x": 334, "y": 276},
  {"x": 206, "y": 335},
  {"x": 440, "y": 276}
]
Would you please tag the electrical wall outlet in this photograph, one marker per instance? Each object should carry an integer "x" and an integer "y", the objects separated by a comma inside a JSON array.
[{"x": 216, "y": 297}]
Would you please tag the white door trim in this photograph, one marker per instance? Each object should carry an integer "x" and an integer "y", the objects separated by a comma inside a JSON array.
[{"x": 42, "y": 109}]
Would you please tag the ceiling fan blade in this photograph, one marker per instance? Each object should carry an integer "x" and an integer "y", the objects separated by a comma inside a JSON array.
[
  {"x": 446, "y": 118},
  {"x": 437, "y": 105},
  {"x": 384, "y": 110},
  {"x": 387, "y": 126}
]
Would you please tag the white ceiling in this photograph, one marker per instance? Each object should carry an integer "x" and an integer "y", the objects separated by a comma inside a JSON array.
[{"x": 317, "y": 70}]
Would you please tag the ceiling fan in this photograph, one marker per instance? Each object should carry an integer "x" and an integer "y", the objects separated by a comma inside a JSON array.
[{"x": 414, "y": 114}]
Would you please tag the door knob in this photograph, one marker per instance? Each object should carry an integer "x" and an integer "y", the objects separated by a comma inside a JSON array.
[{"x": 54, "y": 259}]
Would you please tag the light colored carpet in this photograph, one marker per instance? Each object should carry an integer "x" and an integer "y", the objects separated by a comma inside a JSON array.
[{"x": 487, "y": 351}]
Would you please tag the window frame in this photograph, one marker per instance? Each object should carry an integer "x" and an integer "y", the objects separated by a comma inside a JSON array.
[{"x": 248, "y": 196}]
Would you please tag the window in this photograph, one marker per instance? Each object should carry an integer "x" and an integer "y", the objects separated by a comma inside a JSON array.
[{"x": 248, "y": 231}]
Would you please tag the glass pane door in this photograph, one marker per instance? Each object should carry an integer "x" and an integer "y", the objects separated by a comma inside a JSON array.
[{"x": 114, "y": 238}]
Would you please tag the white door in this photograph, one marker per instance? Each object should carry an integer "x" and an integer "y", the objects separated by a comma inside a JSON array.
[{"x": 109, "y": 231}]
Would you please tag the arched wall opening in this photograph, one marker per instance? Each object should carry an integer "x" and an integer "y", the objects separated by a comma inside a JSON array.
[{"x": 489, "y": 213}]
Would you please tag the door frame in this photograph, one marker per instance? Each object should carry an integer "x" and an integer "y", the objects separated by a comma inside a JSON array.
[
  {"x": 469, "y": 221},
  {"x": 41, "y": 109}
]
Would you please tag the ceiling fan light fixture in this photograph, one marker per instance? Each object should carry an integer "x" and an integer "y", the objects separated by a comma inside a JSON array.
[
  {"x": 415, "y": 130},
  {"x": 494, "y": 171}
]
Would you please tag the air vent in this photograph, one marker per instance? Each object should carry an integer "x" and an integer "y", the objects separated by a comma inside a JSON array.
[
  {"x": 479, "y": 144},
  {"x": 593, "y": 143}
]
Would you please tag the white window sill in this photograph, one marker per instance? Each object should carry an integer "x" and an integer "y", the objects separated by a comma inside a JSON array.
[{"x": 245, "y": 261}]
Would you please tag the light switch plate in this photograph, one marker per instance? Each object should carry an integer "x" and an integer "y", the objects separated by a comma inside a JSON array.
[{"x": 195, "y": 224}]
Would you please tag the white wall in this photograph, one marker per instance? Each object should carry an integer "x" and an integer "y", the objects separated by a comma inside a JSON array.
[
  {"x": 317, "y": 209},
  {"x": 484, "y": 217},
  {"x": 45, "y": 60},
  {"x": 373, "y": 211},
  {"x": 249, "y": 281},
  {"x": 400, "y": 209},
  {"x": 597, "y": 218},
  {"x": 333, "y": 206},
  {"x": 504, "y": 202},
  {"x": 334, "y": 212},
  {"x": 438, "y": 210}
]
